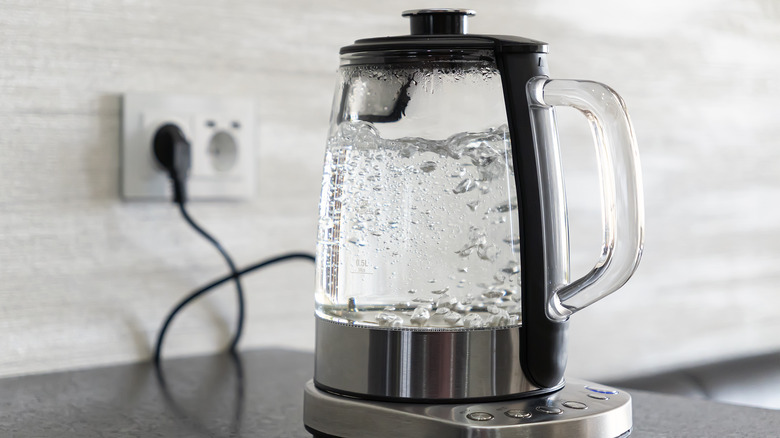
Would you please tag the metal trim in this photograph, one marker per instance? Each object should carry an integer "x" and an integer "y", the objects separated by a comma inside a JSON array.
[
  {"x": 419, "y": 365},
  {"x": 328, "y": 415}
]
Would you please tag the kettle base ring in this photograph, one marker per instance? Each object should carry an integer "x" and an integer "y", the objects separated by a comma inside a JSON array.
[
  {"x": 409, "y": 365},
  {"x": 580, "y": 409}
]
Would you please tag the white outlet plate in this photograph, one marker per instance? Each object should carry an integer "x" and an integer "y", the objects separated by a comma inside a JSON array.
[{"x": 221, "y": 135}]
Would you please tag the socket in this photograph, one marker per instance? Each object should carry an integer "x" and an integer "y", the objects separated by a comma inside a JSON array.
[{"x": 220, "y": 131}]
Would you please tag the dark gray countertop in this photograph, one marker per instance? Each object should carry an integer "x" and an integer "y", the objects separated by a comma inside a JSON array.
[{"x": 261, "y": 396}]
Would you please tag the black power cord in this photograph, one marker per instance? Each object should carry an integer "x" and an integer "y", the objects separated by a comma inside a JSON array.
[
  {"x": 172, "y": 151},
  {"x": 195, "y": 294}
]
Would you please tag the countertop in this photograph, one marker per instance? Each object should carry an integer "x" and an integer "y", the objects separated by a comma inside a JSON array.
[{"x": 259, "y": 394}]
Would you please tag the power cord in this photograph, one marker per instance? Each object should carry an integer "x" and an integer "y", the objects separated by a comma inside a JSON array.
[
  {"x": 195, "y": 294},
  {"x": 172, "y": 151}
]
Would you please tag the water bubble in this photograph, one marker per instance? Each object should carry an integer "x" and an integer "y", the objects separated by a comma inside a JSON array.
[
  {"x": 511, "y": 293},
  {"x": 446, "y": 301},
  {"x": 472, "y": 205},
  {"x": 498, "y": 319},
  {"x": 412, "y": 291},
  {"x": 358, "y": 132},
  {"x": 511, "y": 268},
  {"x": 428, "y": 166},
  {"x": 420, "y": 316},
  {"x": 477, "y": 236},
  {"x": 441, "y": 291},
  {"x": 465, "y": 251},
  {"x": 506, "y": 207},
  {"x": 464, "y": 186},
  {"x": 385, "y": 319},
  {"x": 486, "y": 157},
  {"x": 488, "y": 252},
  {"x": 442, "y": 311},
  {"x": 513, "y": 241},
  {"x": 473, "y": 321},
  {"x": 463, "y": 269},
  {"x": 492, "y": 294},
  {"x": 357, "y": 241},
  {"x": 461, "y": 308},
  {"x": 452, "y": 318},
  {"x": 393, "y": 224}
]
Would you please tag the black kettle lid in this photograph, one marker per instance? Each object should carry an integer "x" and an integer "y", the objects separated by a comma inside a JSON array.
[{"x": 443, "y": 29}]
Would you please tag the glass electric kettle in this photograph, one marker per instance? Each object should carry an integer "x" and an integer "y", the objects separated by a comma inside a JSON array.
[{"x": 443, "y": 248}]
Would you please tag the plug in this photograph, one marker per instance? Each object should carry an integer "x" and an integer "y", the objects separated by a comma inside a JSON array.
[{"x": 172, "y": 151}]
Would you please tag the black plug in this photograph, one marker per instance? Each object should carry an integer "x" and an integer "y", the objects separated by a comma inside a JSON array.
[{"x": 172, "y": 151}]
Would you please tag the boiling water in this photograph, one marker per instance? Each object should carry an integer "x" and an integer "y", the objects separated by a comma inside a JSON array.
[{"x": 418, "y": 233}]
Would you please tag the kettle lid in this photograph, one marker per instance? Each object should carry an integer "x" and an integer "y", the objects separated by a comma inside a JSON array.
[
  {"x": 438, "y": 21},
  {"x": 443, "y": 29}
]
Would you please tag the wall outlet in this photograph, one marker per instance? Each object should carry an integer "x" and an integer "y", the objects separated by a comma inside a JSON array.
[{"x": 221, "y": 134}]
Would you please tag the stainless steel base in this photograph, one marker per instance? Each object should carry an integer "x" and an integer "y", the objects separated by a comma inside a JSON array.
[
  {"x": 446, "y": 365},
  {"x": 581, "y": 409}
]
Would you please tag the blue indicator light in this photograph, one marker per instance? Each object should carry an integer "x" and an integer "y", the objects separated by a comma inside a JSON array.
[{"x": 601, "y": 390}]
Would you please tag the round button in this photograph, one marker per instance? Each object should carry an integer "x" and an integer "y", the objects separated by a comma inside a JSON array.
[
  {"x": 601, "y": 390},
  {"x": 549, "y": 410},
  {"x": 479, "y": 416},
  {"x": 517, "y": 413},
  {"x": 598, "y": 396},
  {"x": 575, "y": 405}
]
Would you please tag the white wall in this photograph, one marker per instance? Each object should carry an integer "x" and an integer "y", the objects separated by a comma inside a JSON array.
[{"x": 86, "y": 279}]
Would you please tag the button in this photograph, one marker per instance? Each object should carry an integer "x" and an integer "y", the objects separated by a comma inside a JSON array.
[
  {"x": 598, "y": 396},
  {"x": 479, "y": 416},
  {"x": 517, "y": 413},
  {"x": 601, "y": 390},
  {"x": 575, "y": 405},
  {"x": 549, "y": 410}
]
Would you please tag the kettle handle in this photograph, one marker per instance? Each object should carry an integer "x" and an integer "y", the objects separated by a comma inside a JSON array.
[{"x": 621, "y": 189}]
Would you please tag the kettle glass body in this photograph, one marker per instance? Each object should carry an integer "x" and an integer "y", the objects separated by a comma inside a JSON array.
[{"x": 418, "y": 215}]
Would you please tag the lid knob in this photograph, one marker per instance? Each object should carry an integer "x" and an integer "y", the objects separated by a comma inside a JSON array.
[{"x": 438, "y": 21}]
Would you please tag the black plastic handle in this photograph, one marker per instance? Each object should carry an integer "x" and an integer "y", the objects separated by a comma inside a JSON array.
[{"x": 544, "y": 352}]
